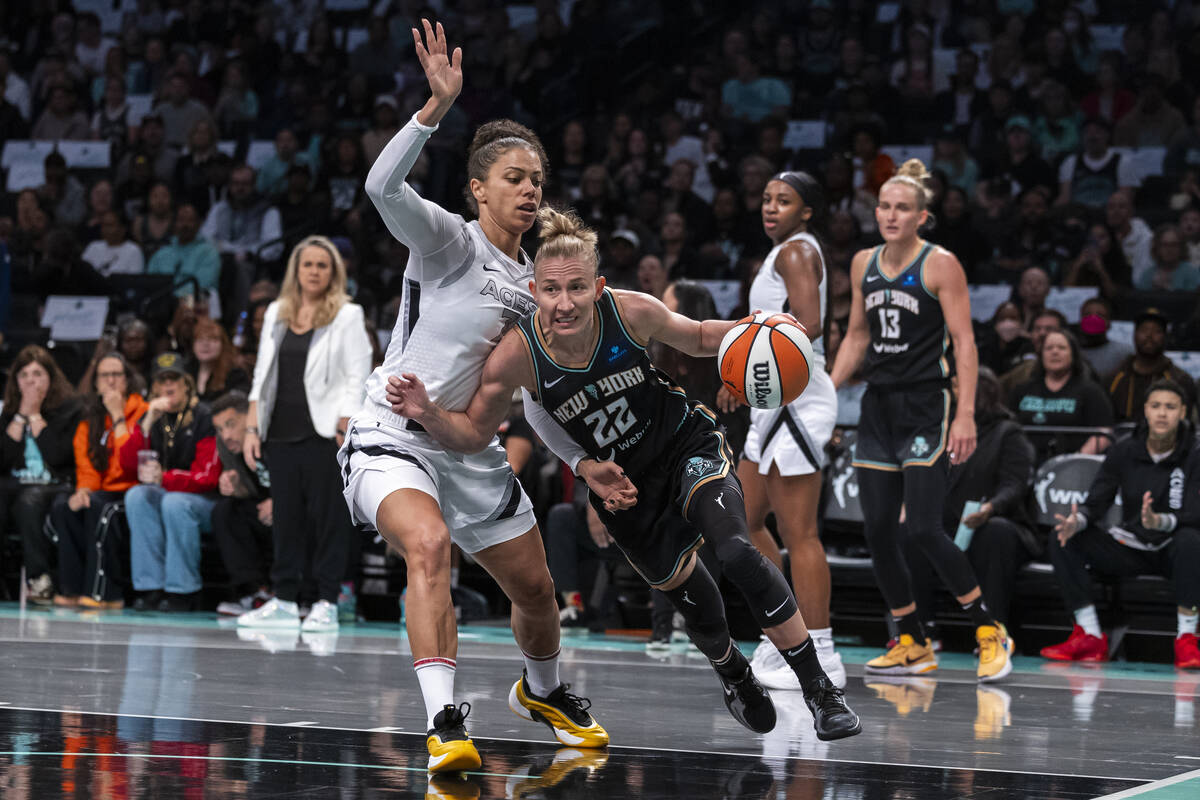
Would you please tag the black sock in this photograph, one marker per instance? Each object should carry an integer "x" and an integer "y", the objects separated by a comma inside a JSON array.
[
  {"x": 733, "y": 665},
  {"x": 911, "y": 624},
  {"x": 978, "y": 611},
  {"x": 803, "y": 661}
]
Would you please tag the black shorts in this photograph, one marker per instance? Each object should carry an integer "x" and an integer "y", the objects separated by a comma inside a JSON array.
[
  {"x": 902, "y": 428},
  {"x": 655, "y": 534}
]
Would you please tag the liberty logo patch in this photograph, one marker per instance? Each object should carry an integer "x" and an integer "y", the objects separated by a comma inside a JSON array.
[
  {"x": 920, "y": 447},
  {"x": 591, "y": 390},
  {"x": 699, "y": 467}
]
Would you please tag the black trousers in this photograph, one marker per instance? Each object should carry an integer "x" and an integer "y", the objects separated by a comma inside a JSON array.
[
  {"x": 23, "y": 508},
  {"x": 997, "y": 553},
  {"x": 244, "y": 542},
  {"x": 79, "y": 559},
  {"x": 312, "y": 524},
  {"x": 1179, "y": 561}
]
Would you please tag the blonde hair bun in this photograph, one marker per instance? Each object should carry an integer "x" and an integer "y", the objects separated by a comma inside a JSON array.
[
  {"x": 913, "y": 173},
  {"x": 564, "y": 234}
]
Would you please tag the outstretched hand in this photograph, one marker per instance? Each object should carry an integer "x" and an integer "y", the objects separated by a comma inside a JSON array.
[
  {"x": 407, "y": 396},
  {"x": 610, "y": 483},
  {"x": 1150, "y": 520},
  {"x": 1067, "y": 526},
  {"x": 443, "y": 69}
]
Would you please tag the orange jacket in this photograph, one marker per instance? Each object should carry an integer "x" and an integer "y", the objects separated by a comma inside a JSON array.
[{"x": 114, "y": 479}]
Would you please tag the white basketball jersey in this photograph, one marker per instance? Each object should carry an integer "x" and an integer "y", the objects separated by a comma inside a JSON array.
[
  {"x": 768, "y": 292},
  {"x": 458, "y": 302}
]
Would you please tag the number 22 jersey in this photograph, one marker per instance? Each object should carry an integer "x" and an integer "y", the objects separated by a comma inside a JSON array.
[{"x": 618, "y": 407}]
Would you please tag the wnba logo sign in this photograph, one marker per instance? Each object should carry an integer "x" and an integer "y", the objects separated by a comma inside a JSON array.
[{"x": 761, "y": 372}]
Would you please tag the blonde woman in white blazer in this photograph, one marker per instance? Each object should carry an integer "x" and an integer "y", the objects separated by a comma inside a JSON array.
[{"x": 313, "y": 359}]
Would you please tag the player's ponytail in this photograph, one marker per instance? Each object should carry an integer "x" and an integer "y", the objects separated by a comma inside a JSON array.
[{"x": 564, "y": 235}]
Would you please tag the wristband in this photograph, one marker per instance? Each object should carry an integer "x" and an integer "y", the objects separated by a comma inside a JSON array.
[
  {"x": 20, "y": 418},
  {"x": 252, "y": 429}
]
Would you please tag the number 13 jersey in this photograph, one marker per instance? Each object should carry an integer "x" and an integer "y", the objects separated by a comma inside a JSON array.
[
  {"x": 909, "y": 340},
  {"x": 618, "y": 407}
]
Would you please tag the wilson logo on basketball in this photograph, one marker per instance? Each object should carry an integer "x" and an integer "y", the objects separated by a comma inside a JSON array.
[{"x": 764, "y": 360}]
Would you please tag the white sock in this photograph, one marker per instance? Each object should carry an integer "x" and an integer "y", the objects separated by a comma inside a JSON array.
[
  {"x": 541, "y": 673},
  {"x": 436, "y": 676},
  {"x": 1187, "y": 622},
  {"x": 1086, "y": 618},
  {"x": 822, "y": 637}
]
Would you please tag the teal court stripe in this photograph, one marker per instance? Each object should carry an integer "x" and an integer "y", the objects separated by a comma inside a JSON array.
[
  {"x": 1180, "y": 787},
  {"x": 154, "y": 757}
]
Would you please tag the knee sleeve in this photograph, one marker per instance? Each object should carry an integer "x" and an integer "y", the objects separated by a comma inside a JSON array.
[
  {"x": 699, "y": 602},
  {"x": 724, "y": 526}
]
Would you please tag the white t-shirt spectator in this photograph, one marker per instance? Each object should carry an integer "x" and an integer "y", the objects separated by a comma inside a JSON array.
[
  {"x": 125, "y": 258},
  {"x": 16, "y": 91},
  {"x": 1127, "y": 174}
]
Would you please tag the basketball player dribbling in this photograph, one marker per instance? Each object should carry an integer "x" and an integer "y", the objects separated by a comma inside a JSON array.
[
  {"x": 582, "y": 358},
  {"x": 909, "y": 305},
  {"x": 784, "y": 454},
  {"x": 465, "y": 283}
]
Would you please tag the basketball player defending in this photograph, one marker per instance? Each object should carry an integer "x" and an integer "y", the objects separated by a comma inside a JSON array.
[
  {"x": 582, "y": 357},
  {"x": 464, "y": 285},
  {"x": 784, "y": 454},
  {"x": 909, "y": 304}
]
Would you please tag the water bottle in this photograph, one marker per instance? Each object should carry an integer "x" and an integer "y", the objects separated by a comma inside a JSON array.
[{"x": 239, "y": 333}]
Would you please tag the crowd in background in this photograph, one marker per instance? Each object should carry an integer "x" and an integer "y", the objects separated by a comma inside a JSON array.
[{"x": 664, "y": 121}]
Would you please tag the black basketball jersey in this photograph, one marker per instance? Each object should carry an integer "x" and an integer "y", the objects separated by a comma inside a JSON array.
[
  {"x": 909, "y": 340},
  {"x": 618, "y": 407}
]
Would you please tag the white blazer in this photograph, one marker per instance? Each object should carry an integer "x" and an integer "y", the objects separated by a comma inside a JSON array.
[{"x": 335, "y": 374}]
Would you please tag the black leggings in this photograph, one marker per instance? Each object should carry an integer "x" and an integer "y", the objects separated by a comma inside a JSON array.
[{"x": 922, "y": 491}]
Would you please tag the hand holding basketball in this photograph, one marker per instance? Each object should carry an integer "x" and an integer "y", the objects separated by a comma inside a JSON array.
[{"x": 765, "y": 360}]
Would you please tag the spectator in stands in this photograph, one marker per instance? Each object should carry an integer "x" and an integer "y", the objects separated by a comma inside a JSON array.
[
  {"x": 1184, "y": 148},
  {"x": 680, "y": 197},
  {"x": 189, "y": 255},
  {"x": 88, "y": 566},
  {"x": 36, "y": 459},
  {"x": 111, "y": 121},
  {"x": 14, "y": 89},
  {"x": 152, "y": 145},
  {"x": 1100, "y": 263},
  {"x": 1060, "y": 393},
  {"x": 874, "y": 166},
  {"x": 1189, "y": 228},
  {"x": 312, "y": 367},
  {"x": 180, "y": 111},
  {"x": 1109, "y": 100},
  {"x": 1157, "y": 474},
  {"x": 1102, "y": 353},
  {"x": 173, "y": 501},
  {"x": 241, "y": 519},
  {"x": 1171, "y": 271},
  {"x": 341, "y": 182},
  {"x": 114, "y": 253},
  {"x": 750, "y": 97},
  {"x": 1027, "y": 247},
  {"x": 245, "y": 228},
  {"x": 203, "y": 171},
  {"x": 378, "y": 56},
  {"x": 91, "y": 46},
  {"x": 995, "y": 482},
  {"x": 1153, "y": 121},
  {"x": 1030, "y": 294},
  {"x": 100, "y": 202},
  {"x": 62, "y": 192},
  {"x": 963, "y": 102},
  {"x": 1020, "y": 166},
  {"x": 1131, "y": 231},
  {"x": 133, "y": 342},
  {"x": 652, "y": 276},
  {"x": 1148, "y": 363},
  {"x": 385, "y": 121},
  {"x": 1057, "y": 126},
  {"x": 155, "y": 227},
  {"x": 213, "y": 365},
  {"x": 61, "y": 119},
  {"x": 1004, "y": 344},
  {"x": 236, "y": 110},
  {"x": 271, "y": 181},
  {"x": 951, "y": 158},
  {"x": 1091, "y": 176}
]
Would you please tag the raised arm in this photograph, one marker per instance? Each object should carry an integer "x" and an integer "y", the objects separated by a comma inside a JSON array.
[
  {"x": 421, "y": 225},
  {"x": 854, "y": 345},
  {"x": 948, "y": 281},
  {"x": 506, "y": 370},
  {"x": 649, "y": 319}
]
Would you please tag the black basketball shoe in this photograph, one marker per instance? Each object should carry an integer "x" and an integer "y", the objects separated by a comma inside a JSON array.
[
  {"x": 832, "y": 718},
  {"x": 749, "y": 702}
]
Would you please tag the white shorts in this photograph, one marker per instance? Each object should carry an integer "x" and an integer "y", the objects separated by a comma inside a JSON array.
[
  {"x": 481, "y": 499},
  {"x": 793, "y": 437}
]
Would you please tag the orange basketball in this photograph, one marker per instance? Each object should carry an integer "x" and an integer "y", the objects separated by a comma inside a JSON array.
[{"x": 765, "y": 360}]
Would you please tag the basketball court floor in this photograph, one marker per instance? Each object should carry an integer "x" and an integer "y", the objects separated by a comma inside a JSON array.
[{"x": 181, "y": 706}]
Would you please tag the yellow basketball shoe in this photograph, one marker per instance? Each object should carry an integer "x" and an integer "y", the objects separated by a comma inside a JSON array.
[
  {"x": 450, "y": 748},
  {"x": 566, "y": 714},
  {"x": 995, "y": 652},
  {"x": 906, "y": 658}
]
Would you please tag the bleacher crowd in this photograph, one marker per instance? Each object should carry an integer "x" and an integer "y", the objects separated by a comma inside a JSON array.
[{"x": 176, "y": 157}]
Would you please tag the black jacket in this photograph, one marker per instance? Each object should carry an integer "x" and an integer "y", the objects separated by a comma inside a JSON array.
[
  {"x": 1173, "y": 483},
  {"x": 56, "y": 442},
  {"x": 1000, "y": 471},
  {"x": 255, "y": 485}
]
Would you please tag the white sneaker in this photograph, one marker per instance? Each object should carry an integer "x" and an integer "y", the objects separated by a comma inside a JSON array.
[
  {"x": 767, "y": 657},
  {"x": 784, "y": 678},
  {"x": 323, "y": 616},
  {"x": 235, "y": 608},
  {"x": 831, "y": 662},
  {"x": 320, "y": 643},
  {"x": 273, "y": 640},
  {"x": 274, "y": 613}
]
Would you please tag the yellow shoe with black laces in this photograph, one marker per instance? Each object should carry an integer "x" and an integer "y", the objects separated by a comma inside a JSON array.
[
  {"x": 906, "y": 658},
  {"x": 566, "y": 714},
  {"x": 995, "y": 652},
  {"x": 450, "y": 748}
]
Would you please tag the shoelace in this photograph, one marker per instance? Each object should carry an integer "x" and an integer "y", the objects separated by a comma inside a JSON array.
[
  {"x": 460, "y": 724},
  {"x": 575, "y": 705},
  {"x": 829, "y": 698}
]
